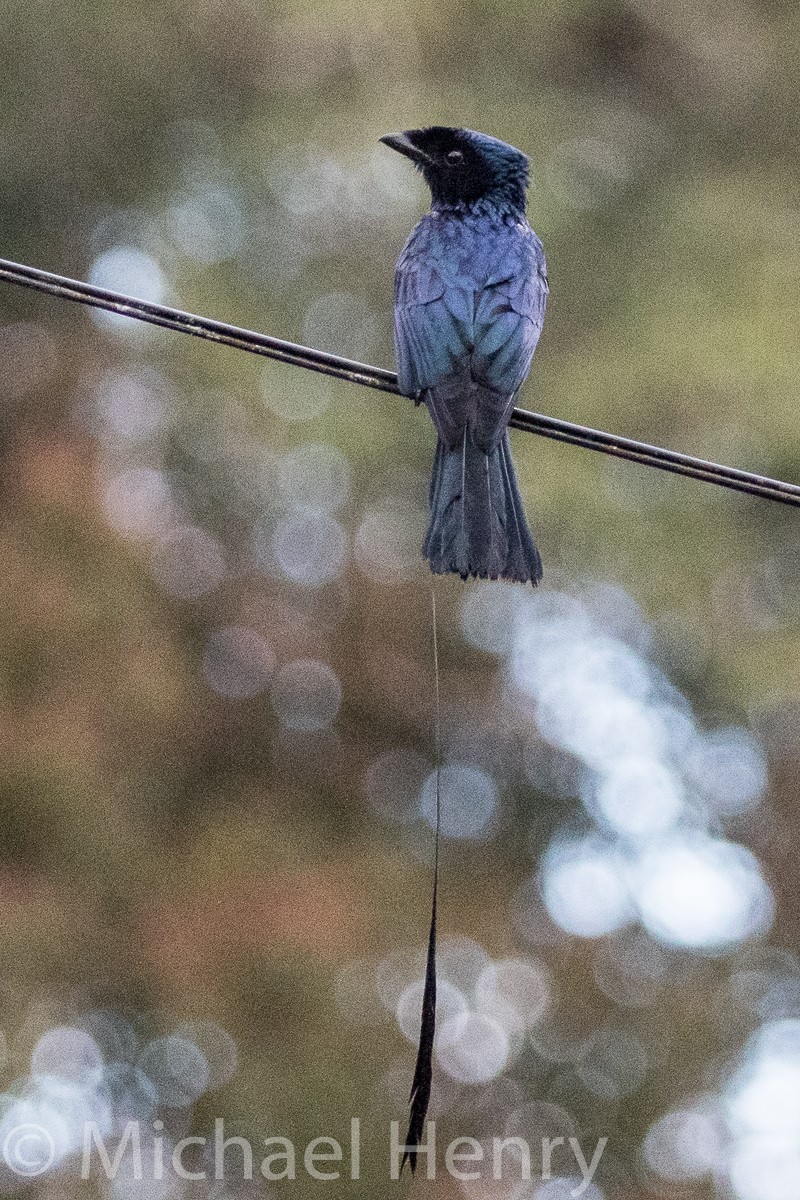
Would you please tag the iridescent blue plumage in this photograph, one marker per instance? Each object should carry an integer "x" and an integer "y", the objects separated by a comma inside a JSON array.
[{"x": 470, "y": 294}]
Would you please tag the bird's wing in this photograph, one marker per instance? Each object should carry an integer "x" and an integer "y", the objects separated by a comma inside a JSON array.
[
  {"x": 508, "y": 320},
  {"x": 432, "y": 325}
]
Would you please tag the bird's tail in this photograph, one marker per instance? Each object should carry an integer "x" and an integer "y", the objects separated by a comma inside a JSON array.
[{"x": 478, "y": 524}]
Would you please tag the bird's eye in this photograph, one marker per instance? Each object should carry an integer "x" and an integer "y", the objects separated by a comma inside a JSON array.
[{"x": 454, "y": 157}]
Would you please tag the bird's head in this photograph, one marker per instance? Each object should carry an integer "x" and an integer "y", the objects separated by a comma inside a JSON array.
[{"x": 461, "y": 166}]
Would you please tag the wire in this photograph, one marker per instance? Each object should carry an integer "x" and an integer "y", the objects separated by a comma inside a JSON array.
[{"x": 386, "y": 381}]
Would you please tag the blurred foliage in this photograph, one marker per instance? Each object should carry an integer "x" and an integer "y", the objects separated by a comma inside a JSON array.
[{"x": 182, "y": 853}]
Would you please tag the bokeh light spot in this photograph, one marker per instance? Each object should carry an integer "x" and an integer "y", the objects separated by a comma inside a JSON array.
[
  {"x": 70, "y": 1054},
  {"x": 315, "y": 477},
  {"x": 131, "y": 271},
  {"x": 388, "y": 544},
  {"x": 178, "y": 1069},
  {"x": 309, "y": 548},
  {"x": 468, "y": 801},
  {"x": 472, "y": 1047},
  {"x": 450, "y": 1002},
  {"x": 584, "y": 888},
  {"x": 238, "y": 662},
  {"x": 702, "y": 893},
  {"x": 612, "y": 1064},
  {"x": 392, "y": 784},
  {"x": 187, "y": 563},
  {"x": 306, "y": 695}
]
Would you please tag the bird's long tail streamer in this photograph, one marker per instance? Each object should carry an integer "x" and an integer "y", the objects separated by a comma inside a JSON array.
[{"x": 423, "y": 1071}]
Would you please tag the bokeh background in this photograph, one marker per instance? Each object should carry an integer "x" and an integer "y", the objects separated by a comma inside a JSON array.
[{"x": 216, "y": 648}]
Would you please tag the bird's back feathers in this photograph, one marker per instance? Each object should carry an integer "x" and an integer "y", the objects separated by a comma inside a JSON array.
[{"x": 470, "y": 296}]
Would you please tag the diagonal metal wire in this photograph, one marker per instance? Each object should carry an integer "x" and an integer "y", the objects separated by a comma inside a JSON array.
[{"x": 386, "y": 381}]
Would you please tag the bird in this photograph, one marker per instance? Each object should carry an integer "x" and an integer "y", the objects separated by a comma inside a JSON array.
[{"x": 469, "y": 302}]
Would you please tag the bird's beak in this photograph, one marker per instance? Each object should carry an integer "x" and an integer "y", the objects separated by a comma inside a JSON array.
[{"x": 402, "y": 143}]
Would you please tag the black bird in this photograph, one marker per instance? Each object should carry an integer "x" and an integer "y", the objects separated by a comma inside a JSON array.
[{"x": 470, "y": 295}]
